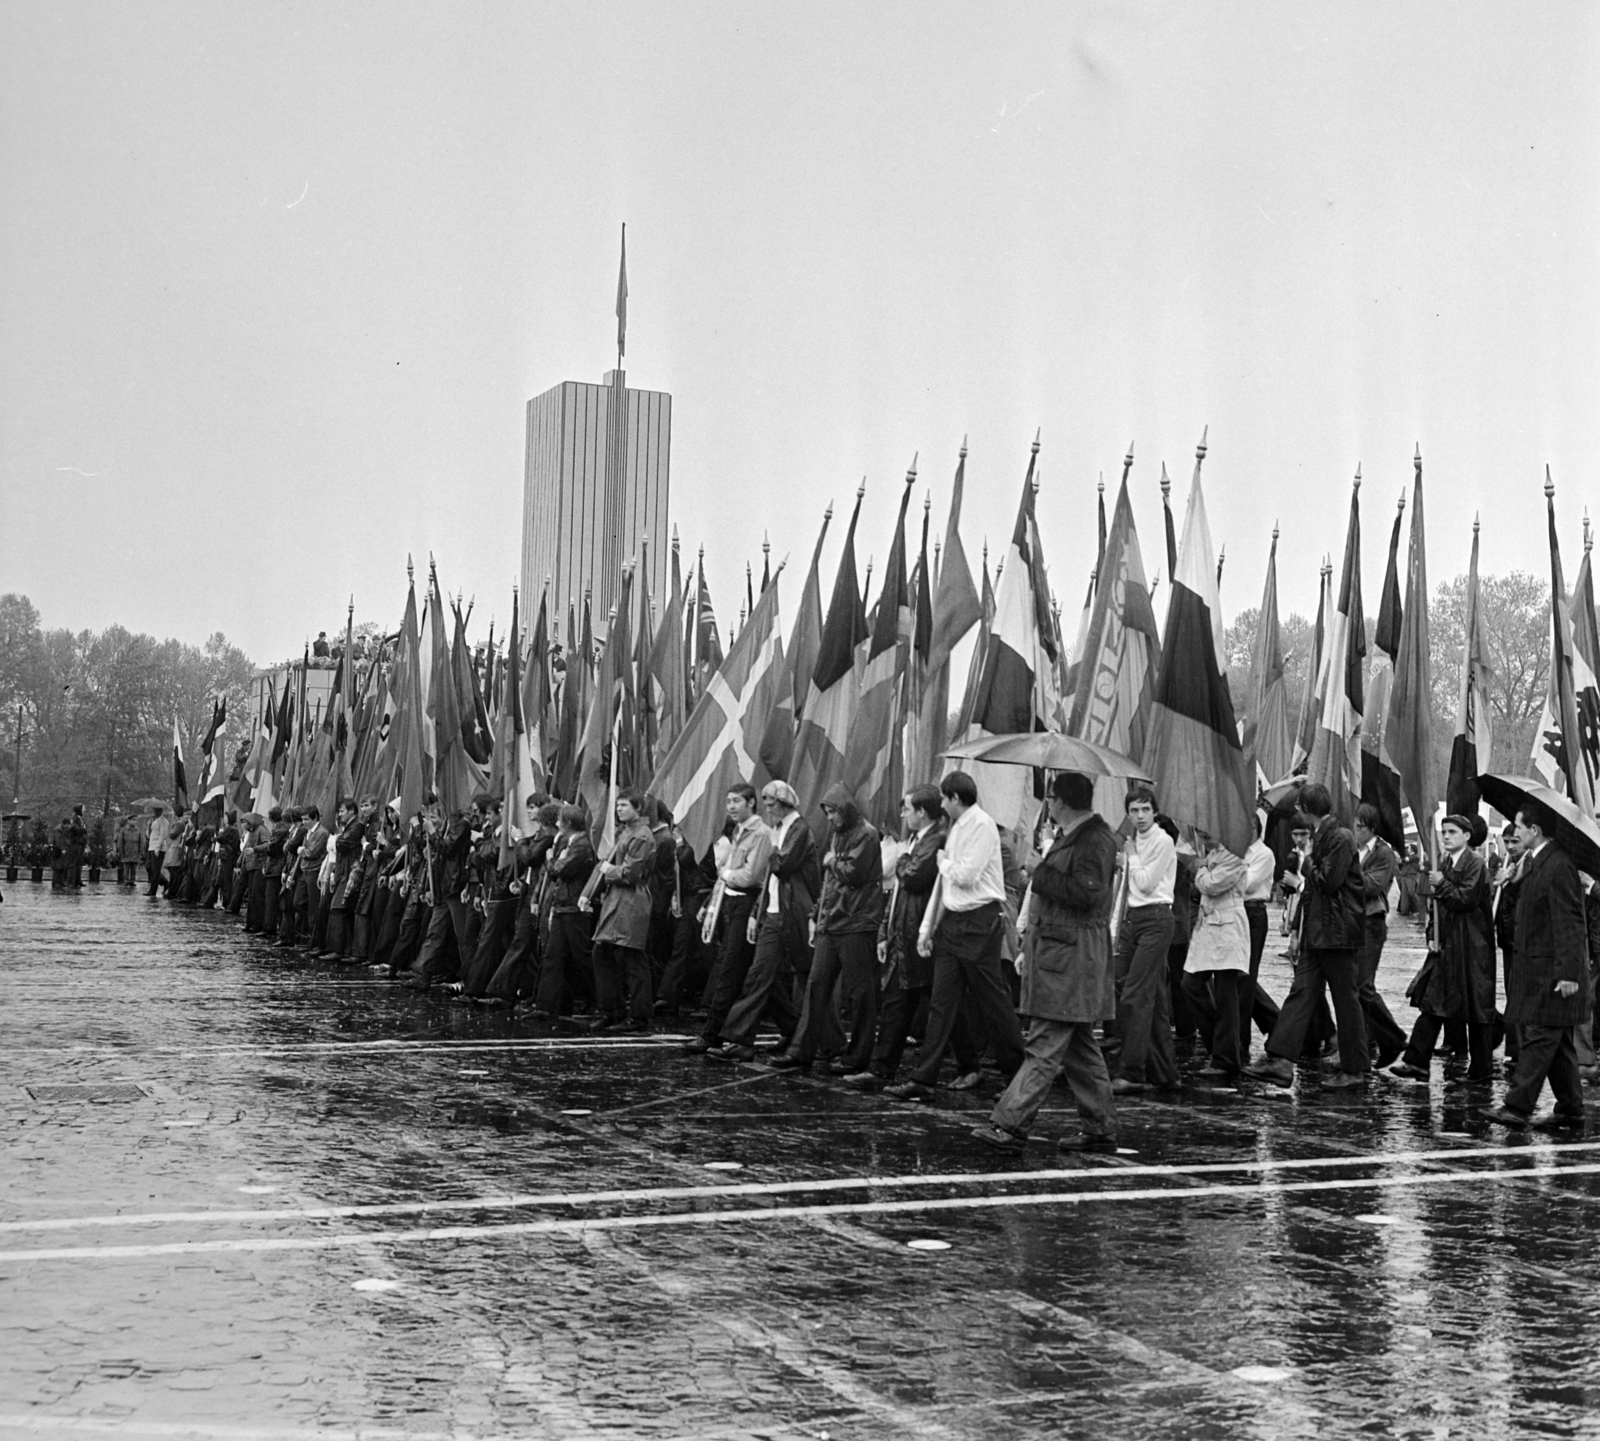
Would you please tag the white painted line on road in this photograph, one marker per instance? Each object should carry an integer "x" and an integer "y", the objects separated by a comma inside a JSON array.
[
  {"x": 374, "y": 1283},
  {"x": 927, "y": 1243},
  {"x": 396, "y": 1047},
  {"x": 578, "y": 1227},
  {"x": 516, "y": 1200}
]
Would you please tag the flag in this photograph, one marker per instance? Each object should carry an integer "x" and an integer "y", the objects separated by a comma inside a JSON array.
[
  {"x": 956, "y": 609},
  {"x": 1305, "y": 734},
  {"x": 667, "y": 666},
  {"x": 705, "y": 643},
  {"x": 406, "y": 777},
  {"x": 180, "y": 781},
  {"x": 923, "y": 741},
  {"x": 517, "y": 777},
  {"x": 1018, "y": 688},
  {"x": 873, "y": 760},
  {"x": 536, "y": 707},
  {"x": 1194, "y": 755},
  {"x": 457, "y": 777},
  {"x": 1470, "y": 750},
  {"x": 1267, "y": 743},
  {"x": 1380, "y": 780},
  {"x": 799, "y": 663},
  {"x": 1566, "y": 747},
  {"x": 718, "y": 746},
  {"x": 477, "y": 738},
  {"x": 606, "y": 759},
  {"x": 647, "y": 708},
  {"x": 1116, "y": 666},
  {"x": 980, "y": 652},
  {"x": 1336, "y": 750},
  {"x": 575, "y": 692},
  {"x": 824, "y": 730},
  {"x": 622, "y": 297},
  {"x": 214, "y": 749},
  {"x": 1408, "y": 731},
  {"x": 1166, "y": 516}
]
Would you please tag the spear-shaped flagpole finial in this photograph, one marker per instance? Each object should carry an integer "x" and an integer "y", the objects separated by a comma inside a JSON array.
[
  {"x": 1402, "y": 502},
  {"x": 911, "y": 475},
  {"x": 1356, "y": 483},
  {"x": 1549, "y": 485},
  {"x": 1588, "y": 537},
  {"x": 702, "y": 552},
  {"x": 1036, "y": 435},
  {"x": 963, "y": 452},
  {"x": 1127, "y": 461},
  {"x": 927, "y": 503},
  {"x": 1474, "y": 522},
  {"x": 986, "y": 550},
  {"x": 1274, "y": 532},
  {"x": 1200, "y": 450},
  {"x": 827, "y": 515},
  {"x": 1166, "y": 484},
  {"x": 861, "y": 489},
  {"x": 766, "y": 544},
  {"x": 410, "y": 576},
  {"x": 1102, "y": 486},
  {"x": 1417, "y": 463}
]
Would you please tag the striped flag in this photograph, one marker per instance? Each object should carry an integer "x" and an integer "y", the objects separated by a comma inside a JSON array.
[
  {"x": 1336, "y": 750},
  {"x": 1566, "y": 747},
  {"x": 1267, "y": 743},
  {"x": 518, "y": 777},
  {"x": 799, "y": 663},
  {"x": 824, "y": 730},
  {"x": 215, "y": 750},
  {"x": 719, "y": 745},
  {"x": 1470, "y": 750},
  {"x": 1380, "y": 779},
  {"x": 1194, "y": 755},
  {"x": 536, "y": 711},
  {"x": 874, "y": 762},
  {"x": 180, "y": 780}
]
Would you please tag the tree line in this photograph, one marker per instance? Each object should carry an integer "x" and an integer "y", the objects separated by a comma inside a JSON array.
[{"x": 86, "y": 717}]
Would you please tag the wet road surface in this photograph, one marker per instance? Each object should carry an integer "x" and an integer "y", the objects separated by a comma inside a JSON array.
[{"x": 244, "y": 1195}]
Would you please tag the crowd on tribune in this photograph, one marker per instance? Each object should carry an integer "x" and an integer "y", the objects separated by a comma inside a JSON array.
[{"x": 1121, "y": 949}]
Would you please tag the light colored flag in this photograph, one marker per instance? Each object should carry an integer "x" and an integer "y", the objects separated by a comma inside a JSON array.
[
  {"x": 1566, "y": 747},
  {"x": 1336, "y": 750}
]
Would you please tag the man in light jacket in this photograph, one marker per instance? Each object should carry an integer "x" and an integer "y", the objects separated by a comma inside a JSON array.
[{"x": 1066, "y": 977}]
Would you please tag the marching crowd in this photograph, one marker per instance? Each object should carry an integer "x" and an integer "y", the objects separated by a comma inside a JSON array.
[{"x": 1095, "y": 965}]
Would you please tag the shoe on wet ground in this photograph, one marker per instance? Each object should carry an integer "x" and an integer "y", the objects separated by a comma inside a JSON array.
[
  {"x": 1275, "y": 1069},
  {"x": 1217, "y": 1073},
  {"x": 731, "y": 1051},
  {"x": 1001, "y": 1140},
  {"x": 784, "y": 1062},
  {"x": 1105, "y": 1145},
  {"x": 864, "y": 1081},
  {"x": 1344, "y": 1081},
  {"x": 1407, "y": 1072},
  {"x": 967, "y": 1081},
  {"x": 1121, "y": 1086},
  {"x": 696, "y": 1047},
  {"x": 908, "y": 1091},
  {"x": 838, "y": 1067},
  {"x": 1504, "y": 1116},
  {"x": 1558, "y": 1121}
]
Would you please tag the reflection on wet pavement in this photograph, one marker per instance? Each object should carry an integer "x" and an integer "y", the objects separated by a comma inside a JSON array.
[{"x": 248, "y": 1196}]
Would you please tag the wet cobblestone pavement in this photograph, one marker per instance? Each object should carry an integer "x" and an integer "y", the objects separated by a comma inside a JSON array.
[{"x": 278, "y": 1199}]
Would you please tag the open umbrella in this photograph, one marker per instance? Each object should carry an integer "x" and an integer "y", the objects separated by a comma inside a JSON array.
[
  {"x": 149, "y": 803},
  {"x": 1050, "y": 751},
  {"x": 1575, "y": 832}
]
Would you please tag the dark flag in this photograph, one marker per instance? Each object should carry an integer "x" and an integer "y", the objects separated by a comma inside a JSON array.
[
  {"x": 1336, "y": 751},
  {"x": 1380, "y": 780},
  {"x": 1408, "y": 734},
  {"x": 1564, "y": 747},
  {"x": 180, "y": 780}
]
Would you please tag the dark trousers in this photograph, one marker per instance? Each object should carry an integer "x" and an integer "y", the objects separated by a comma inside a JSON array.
[
  {"x": 272, "y": 891},
  {"x": 1263, "y": 1009},
  {"x": 388, "y": 930},
  {"x": 1220, "y": 1001},
  {"x": 769, "y": 990},
  {"x": 446, "y": 943},
  {"x": 517, "y": 974},
  {"x": 241, "y": 889},
  {"x": 622, "y": 984},
  {"x": 255, "y": 912},
  {"x": 1480, "y": 1045},
  {"x": 1316, "y": 969},
  {"x": 568, "y": 969},
  {"x": 152, "y": 869},
  {"x": 1547, "y": 1053},
  {"x": 1184, "y": 1021},
  {"x": 408, "y": 941},
  {"x": 898, "y": 1010},
  {"x": 1143, "y": 1022},
  {"x": 1054, "y": 1048},
  {"x": 851, "y": 962},
  {"x": 1383, "y": 1031},
  {"x": 494, "y": 935},
  {"x": 732, "y": 965},
  {"x": 685, "y": 976},
  {"x": 966, "y": 967}
]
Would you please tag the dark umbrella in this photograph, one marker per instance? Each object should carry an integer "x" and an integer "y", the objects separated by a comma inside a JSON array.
[{"x": 1577, "y": 834}]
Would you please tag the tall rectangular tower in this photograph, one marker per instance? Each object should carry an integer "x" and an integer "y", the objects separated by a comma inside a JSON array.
[{"x": 595, "y": 484}]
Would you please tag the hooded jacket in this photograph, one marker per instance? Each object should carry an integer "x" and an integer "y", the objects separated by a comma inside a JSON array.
[{"x": 852, "y": 872}]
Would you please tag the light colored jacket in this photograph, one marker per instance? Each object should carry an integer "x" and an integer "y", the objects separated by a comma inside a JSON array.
[{"x": 1220, "y": 940}]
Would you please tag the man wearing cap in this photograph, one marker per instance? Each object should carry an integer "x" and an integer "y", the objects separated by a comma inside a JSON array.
[
  {"x": 783, "y": 953},
  {"x": 1547, "y": 983}
]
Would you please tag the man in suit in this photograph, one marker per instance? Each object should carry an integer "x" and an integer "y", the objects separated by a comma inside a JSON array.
[
  {"x": 1066, "y": 977},
  {"x": 1332, "y": 930},
  {"x": 1379, "y": 866},
  {"x": 1547, "y": 990}
]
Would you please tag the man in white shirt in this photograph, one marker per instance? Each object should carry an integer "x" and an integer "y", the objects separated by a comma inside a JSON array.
[
  {"x": 744, "y": 876},
  {"x": 964, "y": 929},
  {"x": 155, "y": 848},
  {"x": 1144, "y": 1002}
]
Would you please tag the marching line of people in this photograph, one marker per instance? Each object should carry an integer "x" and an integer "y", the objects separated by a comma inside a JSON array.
[{"x": 1095, "y": 966}]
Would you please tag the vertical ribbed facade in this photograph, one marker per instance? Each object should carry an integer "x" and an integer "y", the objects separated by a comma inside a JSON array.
[{"x": 578, "y": 530}]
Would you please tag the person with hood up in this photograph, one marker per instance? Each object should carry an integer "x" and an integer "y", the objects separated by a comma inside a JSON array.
[
  {"x": 846, "y": 930},
  {"x": 1067, "y": 983}
]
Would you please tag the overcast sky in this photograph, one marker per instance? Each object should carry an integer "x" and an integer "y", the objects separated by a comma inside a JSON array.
[{"x": 278, "y": 280}]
